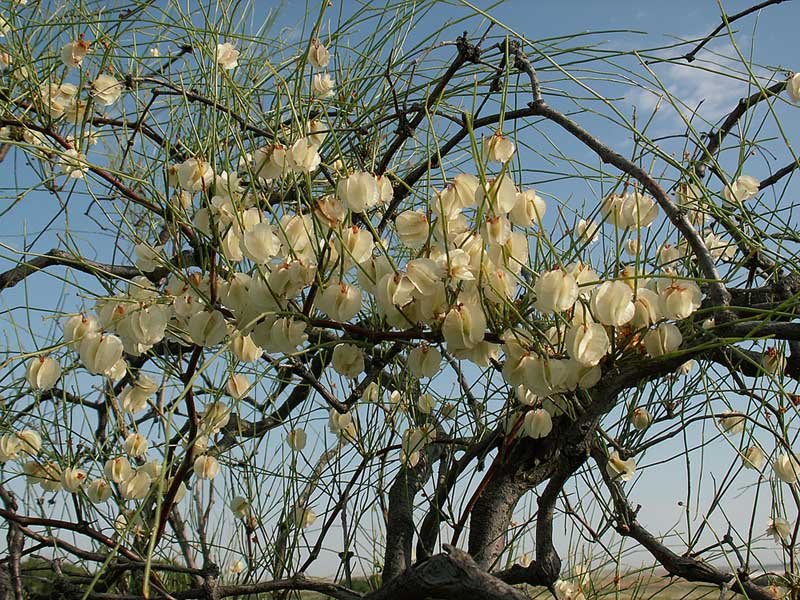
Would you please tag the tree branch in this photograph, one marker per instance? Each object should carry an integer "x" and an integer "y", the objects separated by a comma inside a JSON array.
[
  {"x": 726, "y": 20},
  {"x": 61, "y": 258},
  {"x": 715, "y": 138},
  {"x": 400, "y": 527},
  {"x": 452, "y": 575},
  {"x": 686, "y": 567}
]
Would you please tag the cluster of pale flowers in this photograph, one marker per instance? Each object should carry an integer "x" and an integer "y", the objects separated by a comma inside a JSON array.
[
  {"x": 469, "y": 257},
  {"x": 322, "y": 84},
  {"x": 135, "y": 480},
  {"x": 59, "y": 99},
  {"x": 124, "y": 325}
]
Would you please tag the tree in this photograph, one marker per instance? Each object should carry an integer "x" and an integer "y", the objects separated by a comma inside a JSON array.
[{"x": 314, "y": 319}]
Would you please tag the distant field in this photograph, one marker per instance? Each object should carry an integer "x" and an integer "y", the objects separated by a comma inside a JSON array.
[{"x": 653, "y": 587}]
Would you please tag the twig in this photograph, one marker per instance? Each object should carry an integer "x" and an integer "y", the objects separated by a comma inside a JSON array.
[
  {"x": 285, "y": 525},
  {"x": 186, "y": 464},
  {"x": 726, "y": 20},
  {"x": 522, "y": 63},
  {"x": 83, "y": 529},
  {"x": 465, "y": 50},
  {"x": 715, "y": 138},
  {"x": 178, "y": 526},
  {"x": 778, "y": 175}
]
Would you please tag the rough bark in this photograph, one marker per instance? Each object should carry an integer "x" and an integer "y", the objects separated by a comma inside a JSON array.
[
  {"x": 454, "y": 575},
  {"x": 400, "y": 527}
]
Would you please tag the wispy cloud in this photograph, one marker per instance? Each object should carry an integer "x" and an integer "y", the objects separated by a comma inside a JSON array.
[{"x": 708, "y": 88}]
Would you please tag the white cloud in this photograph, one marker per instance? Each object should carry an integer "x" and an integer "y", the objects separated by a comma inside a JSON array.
[{"x": 711, "y": 86}]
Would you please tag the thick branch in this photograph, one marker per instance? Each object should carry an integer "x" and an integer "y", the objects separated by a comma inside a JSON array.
[
  {"x": 450, "y": 576},
  {"x": 686, "y": 567},
  {"x": 15, "y": 544},
  {"x": 60, "y": 258},
  {"x": 298, "y": 582},
  {"x": 429, "y": 530},
  {"x": 491, "y": 516},
  {"x": 719, "y": 295},
  {"x": 400, "y": 527},
  {"x": 757, "y": 329}
]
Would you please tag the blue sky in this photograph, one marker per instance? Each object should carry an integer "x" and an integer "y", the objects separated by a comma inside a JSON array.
[{"x": 774, "y": 43}]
